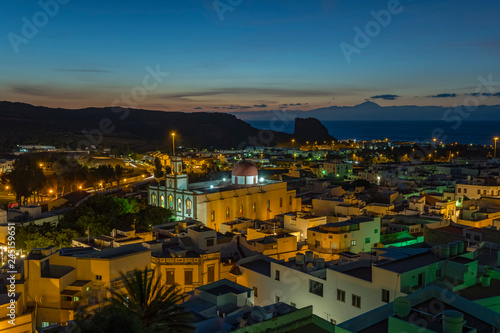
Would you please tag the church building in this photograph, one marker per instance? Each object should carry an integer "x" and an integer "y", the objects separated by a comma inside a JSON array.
[{"x": 216, "y": 202}]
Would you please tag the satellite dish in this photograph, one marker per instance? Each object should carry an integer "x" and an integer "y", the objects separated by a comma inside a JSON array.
[{"x": 401, "y": 307}]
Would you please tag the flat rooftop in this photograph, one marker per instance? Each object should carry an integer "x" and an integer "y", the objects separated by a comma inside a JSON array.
[
  {"x": 410, "y": 263},
  {"x": 363, "y": 273},
  {"x": 479, "y": 292},
  {"x": 259, "y": 266}
]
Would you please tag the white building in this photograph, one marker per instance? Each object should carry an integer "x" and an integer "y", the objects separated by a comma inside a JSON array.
[{"x": 345, "y": 290}]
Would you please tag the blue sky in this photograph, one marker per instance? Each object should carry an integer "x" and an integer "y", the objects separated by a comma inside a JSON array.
[{"x": 265, "y": 53}]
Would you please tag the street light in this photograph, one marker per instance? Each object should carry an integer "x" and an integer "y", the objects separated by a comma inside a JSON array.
[
  {"x": 173, "y": 143},
  {"x": 496, "y": 139}
]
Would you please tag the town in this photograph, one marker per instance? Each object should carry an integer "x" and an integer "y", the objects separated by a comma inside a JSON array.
[{"x": 344, "y": 236}]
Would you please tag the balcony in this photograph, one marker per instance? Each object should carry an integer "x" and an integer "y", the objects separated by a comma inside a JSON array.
[
  {"x": 327, "y": 250},
  {"x": 69, "y": 305}
]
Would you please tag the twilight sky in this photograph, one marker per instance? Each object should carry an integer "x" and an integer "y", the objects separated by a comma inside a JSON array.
[{"x": 247, "y": 54}]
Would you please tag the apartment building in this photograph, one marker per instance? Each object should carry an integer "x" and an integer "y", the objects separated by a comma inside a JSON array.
[{"x": 343, "y": 291}]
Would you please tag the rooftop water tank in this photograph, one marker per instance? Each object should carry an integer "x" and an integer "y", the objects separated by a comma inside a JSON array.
[
  {"x": 453, "y": 249},
  {"x": 444, "y": 251},
  {"x": 453, "y": 321},
  {"x": 299, "y": 258}
]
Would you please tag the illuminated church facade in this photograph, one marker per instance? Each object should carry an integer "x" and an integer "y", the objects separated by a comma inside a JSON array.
[{"x": 216, "y": 202}]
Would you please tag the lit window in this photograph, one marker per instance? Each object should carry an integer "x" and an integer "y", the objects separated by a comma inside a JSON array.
[
  {"x": 170, "y": 202},
  {"x": 153, "y": 199},
  {"x": 241, "y": 210},
  {"x": 179, "y": 205},
  {"x": 353, "y": 243},
  {"x": 162, "y": 201},
  {"x": 188, "y": 206},
  {"x": 212, "y": 216},
  {"x": 268, "y": 204},
  {"x": 254, "y": 208},
  {"x": 281, "y": 202},
  {"x": 228, "y": 212}
]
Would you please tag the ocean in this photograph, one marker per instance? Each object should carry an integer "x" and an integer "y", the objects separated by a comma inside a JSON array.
[{"x": 477, "y": 132}]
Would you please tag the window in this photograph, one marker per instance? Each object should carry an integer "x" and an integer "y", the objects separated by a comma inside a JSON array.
[
  {"x": 268, "y": 204},
  {"x": 330, "y": 236},
  {"x": 98, "y": 277},
  {"x": 179, "y": 205},
  {"x": 188, "y": 276},
  {"x": 465, "y": 190},
  {"x": 367, "y": 240},
  {"x": 290, "y": 200},
  {"x": 353, "y": 243},
  {"x": 340, "y": 295},
  {"x": 45, "y": 324},
  {"x": 211, "y": 273},
  {"x": 356, "y": 301},
  {"x": 170, "y": 202},
  {"x": 212, "y": 216},
  {"x": 281, "y": 202},
  {"x": 478, "y": 191},
  {"x": 241, "y": 210},
  {"x": 439, "y": 273},
  {"x": 293, "y": 304},
  {"x": 162, "y": 201},
  {"x": 189, "y": 207},
  {"x": 227, "y": 212},
  {"x": 255, "y": 291},
  {"x": 276, "y": 299},
  {"x": 316, "y": 288},
  {"x": 375, "y": 231},
  {"x": 153, "y": 199},
  {"x": 170, "y": 274},
  {"x": 277, "y": 275},
  {"x": 459, "y": 190},
  {"x": 421, "y": 279},
  {"x": 254, "y": 208},
  {"x": 317, "y": 243},
  {"x": 385, "y": 295},
  {"x": 210, "y": 242}
]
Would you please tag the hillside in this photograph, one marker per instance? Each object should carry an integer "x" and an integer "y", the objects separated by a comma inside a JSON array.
[{"x": 126, "y": 129}]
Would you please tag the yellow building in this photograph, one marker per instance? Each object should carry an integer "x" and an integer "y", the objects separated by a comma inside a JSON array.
[
  {"x": 356, "y": 235},
  {"x": 186, "y": 269},
  {"x": 216, "y": 202},
  {"x": 56, "y": 283}
]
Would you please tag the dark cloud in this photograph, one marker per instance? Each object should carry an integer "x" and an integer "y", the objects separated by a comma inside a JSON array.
[
  {"x": 260, "y": 106},
  {"x": 296, "y": 104},
  {"x": 52, "y": 92},
  {"x": 198, "y": 108},
  {"x": 247, "y": 91},
  {"x": 84, "y": 70},
  {"x": 445, "y": 95},
  {"x": 387, "y": 97},
  {"x": 484, "y": 94}
]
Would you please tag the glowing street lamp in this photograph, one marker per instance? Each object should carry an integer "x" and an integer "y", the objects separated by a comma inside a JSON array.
[
  {"x": 496, "y": 139},
  {"x": 173, "y": 143}
]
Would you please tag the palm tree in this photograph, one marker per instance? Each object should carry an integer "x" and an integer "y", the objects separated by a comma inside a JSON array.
[
  {"x": 154, "y": 304},
  {"x": 144, "y": 306}
]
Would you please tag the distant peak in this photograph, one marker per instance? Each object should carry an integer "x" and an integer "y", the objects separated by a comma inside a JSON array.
[{"x": 368, "y": 104}]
